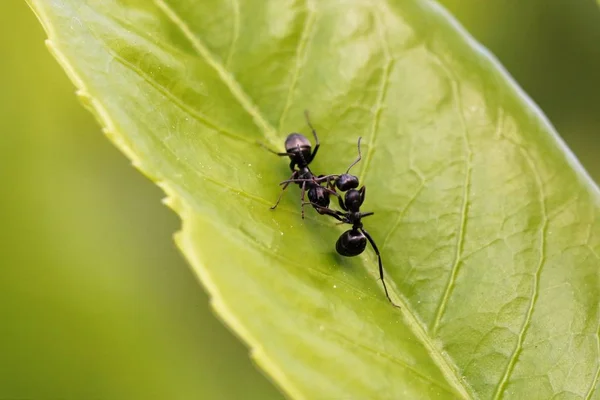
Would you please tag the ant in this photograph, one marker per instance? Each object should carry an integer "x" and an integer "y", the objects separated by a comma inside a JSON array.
[
  {"x": 343, "y": 182},
  {"x": 299, "y": 150},
  {"x": 354, "y": 241}
]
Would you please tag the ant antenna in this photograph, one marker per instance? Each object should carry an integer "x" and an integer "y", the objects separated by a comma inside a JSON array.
[
  {"x": 370, "y": 239},
  {"x": 264, "y": 146},
  {"x": 314, "y": 132},
  {"x": 358, "y": 159}
]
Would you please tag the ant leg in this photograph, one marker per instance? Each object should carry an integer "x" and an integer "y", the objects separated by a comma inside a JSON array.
[
  {"x": 273, "y": 151},
  {"x": 367, "y": 214},
  {"x": 342, "y": 205},
  {"x": 330, "y": 188},
  {"x": 358, "y": 159},
  {"x": 380, "y": 265},
  {"x": 319, "y": 180},
  {"x": 328, "y": 211},
  {"x": 333, "y": 192},
  {"x": 314, "y": 132},
  {"x": 302, "y": 193},
  {"x": 329, "y": 184},
  {"x": 283, "y": 190},
  {"x": 329, "y": 179},
  {"x": 280, "y": 196},
  {"x": 362, "y": 192}
]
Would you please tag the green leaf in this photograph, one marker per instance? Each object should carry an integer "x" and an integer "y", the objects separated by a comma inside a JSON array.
[{"x": 487, "y": 224}]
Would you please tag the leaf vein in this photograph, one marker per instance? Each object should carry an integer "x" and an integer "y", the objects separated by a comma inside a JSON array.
[
  {"x": 181, "y": 104},
  {"x": 536, "y": 278},
  {"x": 268, "y": 252},
  {"x": 465, "y": 201},
  {"x": 381, "y": 95},
  {"x": 415, "y": 195},
  {"x": 412, "y": 321},
  {"x": 402, "y": 213},
  {"x": 301, "y": 49},
  {"x": 596, "y": 376},
  {"x": 234, "y": 87},
  {"x": 188, "y": 109},
  {"x": 235, "y": 11},
  {"x": 395, "y": 360}
]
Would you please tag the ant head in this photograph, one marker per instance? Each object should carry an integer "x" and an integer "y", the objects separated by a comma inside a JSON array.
[
  {"x": 299, "y": 148},
  {"x": 351, "y": 243},
  {"x": 353, "y": 200},
  {"x": 346, "y": 182}
]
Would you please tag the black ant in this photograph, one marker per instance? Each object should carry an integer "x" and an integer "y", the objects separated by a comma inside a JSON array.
[
  {"x": 298, "y": 149},
  {"x": 354, "y": 241}
]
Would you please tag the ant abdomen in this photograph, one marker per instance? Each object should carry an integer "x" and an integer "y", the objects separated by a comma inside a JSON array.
[{"x": 351, "y": 243}]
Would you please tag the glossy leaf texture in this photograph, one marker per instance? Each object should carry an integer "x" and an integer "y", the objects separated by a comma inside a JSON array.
[{"x": 487, "y": 225}]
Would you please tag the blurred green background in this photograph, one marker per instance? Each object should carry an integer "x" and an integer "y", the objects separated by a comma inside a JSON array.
[{"x": 95, "y": 300}]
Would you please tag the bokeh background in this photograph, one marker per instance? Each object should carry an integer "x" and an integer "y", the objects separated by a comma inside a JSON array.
[{"x": 95, "y": 300}]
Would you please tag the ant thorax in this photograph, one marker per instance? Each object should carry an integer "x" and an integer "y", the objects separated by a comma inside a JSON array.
[
  {"x": 355, "y": 219},
  {"x": 353, "y": 200},
  {"x": 304, "y": 173}
]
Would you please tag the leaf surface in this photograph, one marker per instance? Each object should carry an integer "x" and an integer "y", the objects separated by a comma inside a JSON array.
[{"x": 487, "y": 225}]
